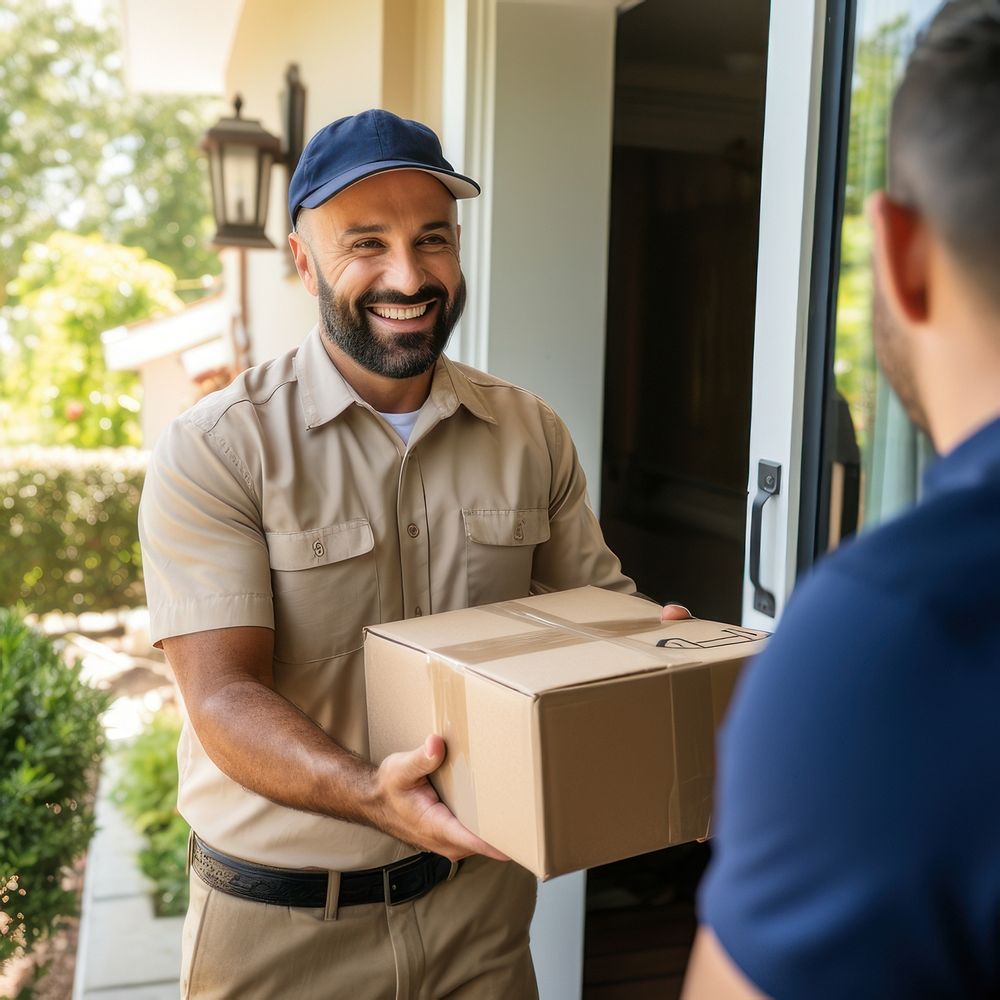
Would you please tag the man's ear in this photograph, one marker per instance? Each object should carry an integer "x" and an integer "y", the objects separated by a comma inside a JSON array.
[
  {"x": 303, "y": 261},
  {"x": 901, "y": 247}
]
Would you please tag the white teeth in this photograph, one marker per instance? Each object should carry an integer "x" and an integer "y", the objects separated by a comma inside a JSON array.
[{"x": 397, "y": 312}]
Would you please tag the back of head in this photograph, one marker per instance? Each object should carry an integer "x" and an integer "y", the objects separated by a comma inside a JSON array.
[{"x": 944, "y": 137}]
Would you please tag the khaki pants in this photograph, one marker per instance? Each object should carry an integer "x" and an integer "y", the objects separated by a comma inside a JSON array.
[{"x": 466, "y": 939}]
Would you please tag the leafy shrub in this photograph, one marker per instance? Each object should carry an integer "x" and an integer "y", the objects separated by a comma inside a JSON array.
[
  {"x": 147, "y": 794},
  {"x": 50, "y": 745},
  {"x": 74, "y": 543}
]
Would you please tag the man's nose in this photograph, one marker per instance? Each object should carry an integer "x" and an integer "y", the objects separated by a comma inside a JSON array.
[{"x": 404, "y": 271}]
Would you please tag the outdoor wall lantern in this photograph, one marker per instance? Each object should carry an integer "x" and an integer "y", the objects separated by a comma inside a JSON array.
[{"x": 241, "y": 153}]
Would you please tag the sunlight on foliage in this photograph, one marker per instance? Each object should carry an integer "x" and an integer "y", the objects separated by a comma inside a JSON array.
[{"x": 56, "y": 388}]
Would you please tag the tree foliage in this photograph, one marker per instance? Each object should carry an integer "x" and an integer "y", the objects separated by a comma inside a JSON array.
[
  {"x": 56, "y": 387},
  {"x": 877, "y": 65},
  {"x": 78, "y": 151},
  {"x": 878, "y": 61}
]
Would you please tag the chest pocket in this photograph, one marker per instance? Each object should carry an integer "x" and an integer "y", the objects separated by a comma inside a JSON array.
[
  {"x": 325, "y": 588},
  {"x": 499, "y": 548}
]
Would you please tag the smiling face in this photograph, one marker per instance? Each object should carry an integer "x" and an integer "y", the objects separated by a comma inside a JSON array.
[{"x": 382, "y": 258}]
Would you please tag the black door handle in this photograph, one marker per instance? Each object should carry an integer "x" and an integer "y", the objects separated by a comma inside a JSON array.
[{"x": 768, "y": 485}]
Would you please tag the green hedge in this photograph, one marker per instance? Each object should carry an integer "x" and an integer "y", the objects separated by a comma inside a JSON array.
[
  {"x": 50, "y": 746},
  {"x": 73, "y": 541},
  {"x": 147, "y": 794}
]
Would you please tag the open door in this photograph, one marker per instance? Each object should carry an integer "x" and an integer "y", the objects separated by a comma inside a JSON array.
[
  {"x": 806, "y": 51},
  {"x": 832, "y": 451}
]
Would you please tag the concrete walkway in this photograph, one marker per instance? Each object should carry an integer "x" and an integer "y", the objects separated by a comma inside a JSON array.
[{"x": 125, "y": 952}]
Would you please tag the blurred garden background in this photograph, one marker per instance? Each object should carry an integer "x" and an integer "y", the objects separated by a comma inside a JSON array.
[
  {"x": 104, "y": 224},
  {"x": 104, "y": 221}
]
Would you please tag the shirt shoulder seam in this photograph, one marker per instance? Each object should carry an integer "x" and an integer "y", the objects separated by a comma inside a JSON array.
[{"x": 214, "y": 417}]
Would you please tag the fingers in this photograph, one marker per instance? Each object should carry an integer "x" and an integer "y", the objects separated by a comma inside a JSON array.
[
  {"x": 434, "y": 748},
  {"x": 674, "y": 613},
  {"x": 415, "y": 814},
  {"x": 457, "y": 841},
  {"x": 413, "y": 766}
]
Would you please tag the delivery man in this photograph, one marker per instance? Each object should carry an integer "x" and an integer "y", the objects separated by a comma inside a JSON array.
[
  {"x": 859, "y": 822},
  {"x": 363, "y": 477}
]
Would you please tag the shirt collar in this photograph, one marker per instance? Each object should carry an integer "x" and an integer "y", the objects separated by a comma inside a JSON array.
[
  {"x": 325, "y": 393},
  {"x": 975, "y": 460},
  {"x": 451, "y": 388}
]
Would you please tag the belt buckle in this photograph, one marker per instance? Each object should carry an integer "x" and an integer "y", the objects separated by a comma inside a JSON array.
[{"x": 392, "y": 894}]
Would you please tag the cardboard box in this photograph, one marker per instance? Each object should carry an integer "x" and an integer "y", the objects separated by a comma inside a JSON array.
[{"x": 580, "y": 729}]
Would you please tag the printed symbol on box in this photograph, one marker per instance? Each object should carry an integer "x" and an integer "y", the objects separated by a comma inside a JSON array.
[
  {"x": 319, "y": 548},
  {"x": 519, "y": 531},
  {"x": 731, "y": 636}
]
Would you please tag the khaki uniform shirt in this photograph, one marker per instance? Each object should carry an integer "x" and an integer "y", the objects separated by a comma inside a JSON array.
[{"x": 285, "y": 501}]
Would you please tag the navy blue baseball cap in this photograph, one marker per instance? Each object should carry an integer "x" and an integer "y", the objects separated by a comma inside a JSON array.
[{"x": 348, "y": 150}]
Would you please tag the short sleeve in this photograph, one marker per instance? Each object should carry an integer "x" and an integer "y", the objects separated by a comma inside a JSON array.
[
  {"x": 575, "y": 554},
  {"x": 204, "y": 554},
  {"x": 826, "y": 833}
]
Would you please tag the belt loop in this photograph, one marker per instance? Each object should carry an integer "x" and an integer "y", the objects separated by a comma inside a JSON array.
[
  {"x": 332, "y": 896},
  {"x": 190, "y": 853}
]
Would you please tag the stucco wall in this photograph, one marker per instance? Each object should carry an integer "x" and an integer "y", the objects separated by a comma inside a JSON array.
[
  {"x": 413, "y": 43},
  {"x": 551, "y": 177},
  {"x": 167, "y": 389}
]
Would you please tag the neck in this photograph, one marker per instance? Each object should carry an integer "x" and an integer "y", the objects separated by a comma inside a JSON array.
[
  {"x": 962, "y": 409},
  {"x": 959, "y": 366},
  {"x": 387, "y": 395}
]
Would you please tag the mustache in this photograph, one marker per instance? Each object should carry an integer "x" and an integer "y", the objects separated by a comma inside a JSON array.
[{"x": 390, "y": 297}]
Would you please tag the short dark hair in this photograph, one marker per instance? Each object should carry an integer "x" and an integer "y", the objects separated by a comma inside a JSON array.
[{"x": 944, "y": 135}]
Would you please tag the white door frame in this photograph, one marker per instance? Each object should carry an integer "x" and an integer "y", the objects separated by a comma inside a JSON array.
[{"x": 796, "y": 41}]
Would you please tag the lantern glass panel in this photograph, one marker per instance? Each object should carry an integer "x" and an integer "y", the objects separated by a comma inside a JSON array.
[
  {"x": 240, "y": 180},
  {"x": 264, "y": 184},
  {"x": 218, "y": 187}
]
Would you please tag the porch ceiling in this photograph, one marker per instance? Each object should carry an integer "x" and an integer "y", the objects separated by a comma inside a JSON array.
[{"x": 180, "y": 47}]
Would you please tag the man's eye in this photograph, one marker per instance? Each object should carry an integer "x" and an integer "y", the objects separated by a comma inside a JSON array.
[
  {"x": 434, "y": 239},
  {"x": 367, "y": 245}
]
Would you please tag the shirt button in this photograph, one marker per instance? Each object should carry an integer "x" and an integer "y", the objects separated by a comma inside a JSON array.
[
  {"x": 417, "y": 611},
  {"x": 319, "y": 548},
  {"x": 412, "y": 530}
]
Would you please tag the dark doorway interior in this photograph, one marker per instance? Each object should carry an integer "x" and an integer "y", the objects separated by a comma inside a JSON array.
[
  {"x": 689, "y": 111},
  {"x": 689, "y": 104}
]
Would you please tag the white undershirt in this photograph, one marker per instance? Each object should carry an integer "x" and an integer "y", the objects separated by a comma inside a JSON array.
[{"x": 401, "y": 423}]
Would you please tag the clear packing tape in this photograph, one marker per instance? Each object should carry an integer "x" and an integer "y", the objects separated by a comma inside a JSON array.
[{"x": 702, "y": 694}]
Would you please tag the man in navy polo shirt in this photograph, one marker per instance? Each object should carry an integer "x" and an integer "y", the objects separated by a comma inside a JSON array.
[{"x": 858, "y": 847}]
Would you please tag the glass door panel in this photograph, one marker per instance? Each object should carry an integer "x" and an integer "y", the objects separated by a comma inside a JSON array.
[{"x": 872, "y": 454}]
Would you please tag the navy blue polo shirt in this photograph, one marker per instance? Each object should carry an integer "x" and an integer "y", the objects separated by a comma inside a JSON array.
[{"x": 858, "y": 839}]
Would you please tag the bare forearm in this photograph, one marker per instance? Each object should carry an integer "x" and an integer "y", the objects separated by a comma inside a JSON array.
[{"x": 261, "y": 740}]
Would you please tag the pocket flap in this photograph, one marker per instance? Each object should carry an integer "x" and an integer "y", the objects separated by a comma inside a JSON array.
[
  {"x": 507, "y": 527},
  {"x": 292, "y": 550}
]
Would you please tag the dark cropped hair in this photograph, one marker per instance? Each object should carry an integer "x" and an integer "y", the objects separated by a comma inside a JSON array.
[{"x": 944, "y": 135}]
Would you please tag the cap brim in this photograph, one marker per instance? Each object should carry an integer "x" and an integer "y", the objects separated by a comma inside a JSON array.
[{"x": 459, "y": 185}]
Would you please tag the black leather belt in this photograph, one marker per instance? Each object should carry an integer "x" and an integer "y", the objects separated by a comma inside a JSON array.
[{"x": 408, "y": 879}]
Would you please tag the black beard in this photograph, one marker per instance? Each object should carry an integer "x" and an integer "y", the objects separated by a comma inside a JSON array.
[{"x": 406, "y": 355}]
